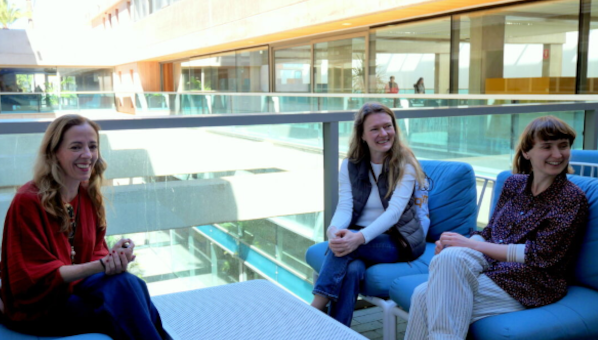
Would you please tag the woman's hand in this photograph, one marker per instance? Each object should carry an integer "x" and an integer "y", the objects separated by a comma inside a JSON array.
[
  {"x": 119, "y": 257},
  {"x": 448, "y": 239},
  {"x": 331, "y": 232},
  {"x": 345, "y": 242}
]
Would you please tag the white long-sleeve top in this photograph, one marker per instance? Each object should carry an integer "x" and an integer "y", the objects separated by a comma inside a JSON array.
[{"x": 373, "y": 217}]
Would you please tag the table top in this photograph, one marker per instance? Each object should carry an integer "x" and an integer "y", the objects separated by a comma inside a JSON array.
[{"x": 256, "y": 309}]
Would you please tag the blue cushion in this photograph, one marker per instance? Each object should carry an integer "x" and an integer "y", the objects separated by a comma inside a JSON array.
[
  {"x": 584, "y": 156},
  {"x": 573, "y": 317},
  {"x": 452, "y": 198},
  {"x": 500, "y": 182},
  {"x": 378, "y": 278},
  {"x": 586, "y": 270},
  {"x": 7, "y": 334},
  {"x": 402, "y": 288}
]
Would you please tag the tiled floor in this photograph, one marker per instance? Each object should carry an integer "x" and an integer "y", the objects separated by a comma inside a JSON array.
[{"x": 368, "y": 322}]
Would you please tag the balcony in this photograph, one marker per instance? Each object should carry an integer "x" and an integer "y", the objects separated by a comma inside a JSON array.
[{"x": 219, "y": 194}]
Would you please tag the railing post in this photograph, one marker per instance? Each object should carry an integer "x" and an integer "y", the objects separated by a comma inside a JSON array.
[
  {"x": 590, "y": 130},
  {"x": 330, "y": 131}
]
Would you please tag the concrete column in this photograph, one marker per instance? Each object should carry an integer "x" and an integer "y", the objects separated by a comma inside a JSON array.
[
  {"x": 487, "y": 38},
  {"x": 552, "y": 60},
  {"x": 442, "y": 64}
]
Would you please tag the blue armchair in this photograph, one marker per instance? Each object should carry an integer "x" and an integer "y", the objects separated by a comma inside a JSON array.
[
  {"x": 452, "y": 204},
  {"x": 573, "y": 317},
  {"x": 7, "y": 334}
]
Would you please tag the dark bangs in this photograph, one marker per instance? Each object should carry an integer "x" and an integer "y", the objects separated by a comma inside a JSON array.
[{"x": 553, "y": 128}]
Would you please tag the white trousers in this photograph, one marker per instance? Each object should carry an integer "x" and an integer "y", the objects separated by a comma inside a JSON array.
[{"x": 456, "y": 295}]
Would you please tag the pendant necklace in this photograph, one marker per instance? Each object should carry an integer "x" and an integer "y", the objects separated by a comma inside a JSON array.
[
  {"x": 373, "y": 174},
  {"x": 73, "y": 219}
]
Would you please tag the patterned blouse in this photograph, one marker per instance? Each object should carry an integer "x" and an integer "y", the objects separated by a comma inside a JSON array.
[{"x": 550, "y": 225}]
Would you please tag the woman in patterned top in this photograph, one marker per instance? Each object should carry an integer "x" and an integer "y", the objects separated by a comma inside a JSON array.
[{"x": 521, "y": 258}]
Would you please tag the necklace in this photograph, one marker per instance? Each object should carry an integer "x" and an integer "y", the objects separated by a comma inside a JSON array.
[
  {"x": 373, "y": 174},
  {"x": 73, "y": 219}
]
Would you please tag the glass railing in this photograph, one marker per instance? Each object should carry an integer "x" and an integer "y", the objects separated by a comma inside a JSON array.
[
  {"x": 27, "y": 103},
  {"x": 214, "y": 199},
  {"x": 186, "y": 103},
  {"x": 189, "y": 103}
]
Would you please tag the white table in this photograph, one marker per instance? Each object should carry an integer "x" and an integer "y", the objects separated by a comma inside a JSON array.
[{"x": 256, "y": 309}]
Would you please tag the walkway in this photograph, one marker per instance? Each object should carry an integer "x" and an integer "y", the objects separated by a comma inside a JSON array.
[{"x": 368, "y": 322}]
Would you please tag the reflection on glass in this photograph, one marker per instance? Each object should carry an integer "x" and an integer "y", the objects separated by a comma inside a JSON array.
[
  {"x": 292, "y": 68},
  {"x": 527, "y": 49},
  {"x": 239, "y": 71},
  {"x": 85, "y": 79},
  {"x": 592, "y": 75},
  {"x": 252, "y": 70},
  {"x": 409, "y": 52},
  {"x": 213, "y": 73},
  {"x": 29, "y": 79},
  {"x": 340, "y": 66}
]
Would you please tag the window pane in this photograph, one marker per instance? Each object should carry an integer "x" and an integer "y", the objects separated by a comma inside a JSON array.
[
  {"x": 292, "y": 69},
  {"x": 340, "y": 66},
  {"x": 85, "y": 79},
  {"x": 529, "y": 49},
  {"x": 252, "y": 70},
  {"x": 409, "y": 52},
  {"x": 213, "y": 73},
  {"x": 28, "y": 80},
  {"x": 592, "y": 84}
]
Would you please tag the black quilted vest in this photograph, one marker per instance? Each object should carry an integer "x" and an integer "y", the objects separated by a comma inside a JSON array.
[{"x": 407, "y": 231}]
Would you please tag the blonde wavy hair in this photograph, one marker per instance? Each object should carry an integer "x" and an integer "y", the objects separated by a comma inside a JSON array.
[
  {"x": 49, "y": 176},
  {"x": 395, "y": 159},
  {"x": 545, "y": 128}
]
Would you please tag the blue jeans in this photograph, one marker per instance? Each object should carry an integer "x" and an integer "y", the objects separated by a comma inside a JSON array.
[
  {"x": 340, "y": 277},
  {"x": 117, "y": 305}
]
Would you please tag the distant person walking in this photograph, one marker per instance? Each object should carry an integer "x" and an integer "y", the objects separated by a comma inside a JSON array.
[
  {"x": 391, "y": 86},
  {"x": 419, "y": 86}
]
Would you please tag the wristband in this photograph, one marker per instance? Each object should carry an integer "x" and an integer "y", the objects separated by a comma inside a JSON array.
[{"x": 102, "y": 263}]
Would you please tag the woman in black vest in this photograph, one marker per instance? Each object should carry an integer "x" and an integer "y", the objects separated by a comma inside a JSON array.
[{"x": 382, "y": 213}]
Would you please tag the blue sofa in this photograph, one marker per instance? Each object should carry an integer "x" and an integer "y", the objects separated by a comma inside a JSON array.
[
  {"x": 7, "y": 334},
  {"x": 573, "y": 317},
  {"x": 585, "y": 157},
  {"x": 452, "y": 204}
]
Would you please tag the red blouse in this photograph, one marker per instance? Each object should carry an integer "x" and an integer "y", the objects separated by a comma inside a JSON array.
[{"x": 33, "y": 249}]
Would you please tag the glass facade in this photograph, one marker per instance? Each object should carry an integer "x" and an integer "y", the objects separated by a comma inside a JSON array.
[
  {"x": 591, "y": 81},
  {"x": 518, "y": 49},
  {"x": 528, "y": 49},
  {"x": 50, "y": 89},
  {"x": 409, "y": 52},
  {"x": 292, "y": 69},
  {"x": 239, "y": 71},
  {"x": 49, "y": 79},
  {"x": 339, "y": 66}
]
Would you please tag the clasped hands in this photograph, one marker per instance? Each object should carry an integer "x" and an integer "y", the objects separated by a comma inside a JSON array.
[
  {"x": 343, "y": 242},
  {"x": 119, "y": 257},
  {"x": 448, "y": 239}
]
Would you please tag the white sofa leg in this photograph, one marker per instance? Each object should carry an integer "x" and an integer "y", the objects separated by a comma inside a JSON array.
[{"x": 389, "y": 326}]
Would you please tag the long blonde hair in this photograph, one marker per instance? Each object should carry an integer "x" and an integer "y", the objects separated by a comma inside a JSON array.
[
  {"x": 48, "y": 176},
  {"x": 395, "y": 159},
  {"x": 545, "y": 128}
]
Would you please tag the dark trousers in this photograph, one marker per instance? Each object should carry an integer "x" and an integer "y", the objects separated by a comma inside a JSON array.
[{"x": 118, "y": 306}]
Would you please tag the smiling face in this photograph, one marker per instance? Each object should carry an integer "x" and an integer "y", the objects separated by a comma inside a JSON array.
[
  {"x": 548, "y": 157},
  {"x": 77, "y": 154},
  {"x": 379, "y": 134}
]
